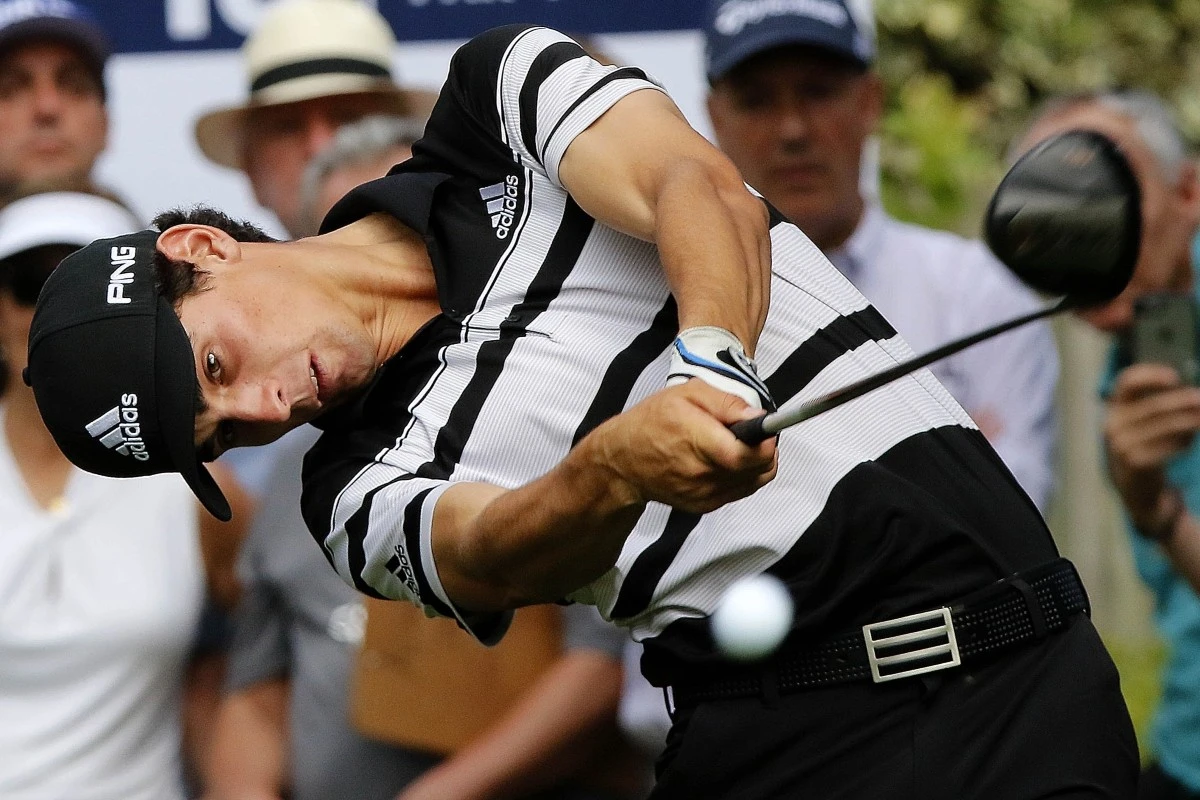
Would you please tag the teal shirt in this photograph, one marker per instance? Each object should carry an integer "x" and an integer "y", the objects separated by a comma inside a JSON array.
[{"x": 1175, "y": 730}]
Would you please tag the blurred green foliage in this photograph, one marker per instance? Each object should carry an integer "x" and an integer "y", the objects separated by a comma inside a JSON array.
[
  {"x": 963, "y": 77},
  {"x": 1139, "y": 665}
]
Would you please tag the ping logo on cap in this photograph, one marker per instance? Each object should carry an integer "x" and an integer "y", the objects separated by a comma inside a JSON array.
[
  {"x": 122, "y": 259},
  {"x": 118, "y": 429}
]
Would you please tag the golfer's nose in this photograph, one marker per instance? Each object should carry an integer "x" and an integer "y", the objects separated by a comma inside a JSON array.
[{"x": 265, "y": 402}]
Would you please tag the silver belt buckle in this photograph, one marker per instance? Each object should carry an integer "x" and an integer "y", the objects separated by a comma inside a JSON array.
[{"x": 927, "y": 638}]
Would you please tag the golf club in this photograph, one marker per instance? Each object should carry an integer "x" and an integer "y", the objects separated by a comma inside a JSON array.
[{"x": 1066, "y": 220}]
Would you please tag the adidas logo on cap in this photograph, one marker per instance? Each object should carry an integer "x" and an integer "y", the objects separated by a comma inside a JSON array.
[
  {"x": 118, "y": 429},
  {"x": 501, "y": 199}
]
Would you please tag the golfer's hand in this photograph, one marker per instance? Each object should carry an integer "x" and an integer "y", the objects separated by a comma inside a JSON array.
[
  {"x": 1152, "y": 417},
  {"x": 717, "y": 357},
  {"x": 676, "y": 448}
]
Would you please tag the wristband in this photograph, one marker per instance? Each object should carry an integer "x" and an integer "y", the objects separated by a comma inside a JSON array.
[{"x": 1164, "y": 531}]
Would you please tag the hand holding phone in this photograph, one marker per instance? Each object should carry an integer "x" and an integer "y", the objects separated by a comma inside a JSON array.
[{"x": 1165, "y": 332}]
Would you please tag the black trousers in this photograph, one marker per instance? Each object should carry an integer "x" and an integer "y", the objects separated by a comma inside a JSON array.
[
  {"x": 1042, "y": 721},
  {"x": 1158, "y": 785}
]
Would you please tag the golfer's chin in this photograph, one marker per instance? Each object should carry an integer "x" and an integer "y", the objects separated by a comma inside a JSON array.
[{"x": 268, "y": 433}]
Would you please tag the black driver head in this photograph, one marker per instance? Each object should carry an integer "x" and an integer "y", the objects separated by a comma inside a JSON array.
[{"x": 1067, "y": 219}]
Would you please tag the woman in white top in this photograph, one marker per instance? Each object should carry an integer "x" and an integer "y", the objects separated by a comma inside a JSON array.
[{"x": 102, "y": 581}]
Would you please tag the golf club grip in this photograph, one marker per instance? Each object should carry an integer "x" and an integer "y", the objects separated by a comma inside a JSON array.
[{"x": 751, "y": 431}]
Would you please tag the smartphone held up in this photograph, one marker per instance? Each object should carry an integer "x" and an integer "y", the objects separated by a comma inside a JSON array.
[{"x": 1165, "y": 331}]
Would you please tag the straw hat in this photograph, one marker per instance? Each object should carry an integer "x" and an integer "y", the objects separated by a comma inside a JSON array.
[{"x": 305, "y": 49}]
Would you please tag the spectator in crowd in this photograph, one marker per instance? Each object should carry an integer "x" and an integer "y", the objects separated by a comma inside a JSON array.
[
  {"x": 286, "y": 723},
  {"x": 102, "y": 581},
  {"x": 294, "y": 108},
  {"x": 53, "y": 120},
  {"x": 360, "y": 152},
  {"x": 1152, "y": 417},
  {"x": 794, "y": 100}
]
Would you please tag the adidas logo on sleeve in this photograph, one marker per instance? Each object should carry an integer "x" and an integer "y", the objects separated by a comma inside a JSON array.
[{"x": 118, "y": 429}]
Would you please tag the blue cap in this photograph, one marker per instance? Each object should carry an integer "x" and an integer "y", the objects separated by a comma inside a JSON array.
[
  {"x": 22, "y": 20},
  {"x": 735, "y": 30}
]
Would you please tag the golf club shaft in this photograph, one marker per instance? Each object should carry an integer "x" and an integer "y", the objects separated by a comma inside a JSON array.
[{"x": 753, "y": 431}]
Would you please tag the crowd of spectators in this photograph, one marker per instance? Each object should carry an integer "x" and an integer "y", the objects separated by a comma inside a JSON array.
[{"x": 147, "y": 651}]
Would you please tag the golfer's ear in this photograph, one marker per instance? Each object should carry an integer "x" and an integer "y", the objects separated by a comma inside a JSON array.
[{"x": 198, "y": 244}]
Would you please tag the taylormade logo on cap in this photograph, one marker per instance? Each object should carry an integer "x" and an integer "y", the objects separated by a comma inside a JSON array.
[
  {"x": 735, "y": 15},
  {"x": 118, "y": 429},
  {"x": 123, "y": 259}
]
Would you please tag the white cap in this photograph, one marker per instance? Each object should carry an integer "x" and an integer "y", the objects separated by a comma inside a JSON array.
[{"x": 71, "y": 218}]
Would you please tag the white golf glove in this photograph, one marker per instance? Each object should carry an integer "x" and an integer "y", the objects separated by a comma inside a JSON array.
[{"x": 715, "y": 356}]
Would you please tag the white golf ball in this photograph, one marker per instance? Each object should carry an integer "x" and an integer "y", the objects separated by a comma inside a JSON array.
[{"x": 752, "y": 618}]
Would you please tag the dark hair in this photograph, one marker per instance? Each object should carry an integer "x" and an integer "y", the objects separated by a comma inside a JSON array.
[{"x": 178, "y": 279}]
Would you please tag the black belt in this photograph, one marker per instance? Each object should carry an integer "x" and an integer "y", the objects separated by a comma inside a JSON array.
[{"x": 1025, "y": 607}]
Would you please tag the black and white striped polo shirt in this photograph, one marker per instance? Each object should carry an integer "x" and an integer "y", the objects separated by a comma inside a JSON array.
[{"x": 552, "y": 322}]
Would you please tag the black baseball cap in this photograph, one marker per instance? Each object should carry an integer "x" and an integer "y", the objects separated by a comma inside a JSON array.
[
  {"x": 112, "y": 368},
  {"x": 735, "y": 30}
]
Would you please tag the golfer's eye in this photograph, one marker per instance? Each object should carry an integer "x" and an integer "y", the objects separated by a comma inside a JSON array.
[{"x": 212, "y": 365}]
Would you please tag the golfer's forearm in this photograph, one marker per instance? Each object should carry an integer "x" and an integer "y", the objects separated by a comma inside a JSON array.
[
  {"x": 495, "y": 549},
  {"x": 713, "y": 238},
  {"x": 498, "y": 549}
]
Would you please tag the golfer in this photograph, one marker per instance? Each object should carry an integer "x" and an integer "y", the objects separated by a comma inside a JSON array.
[{"x": 484, "y": 336}]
